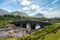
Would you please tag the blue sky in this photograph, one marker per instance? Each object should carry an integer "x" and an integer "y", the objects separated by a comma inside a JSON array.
[{"x": 50, "y": 8}]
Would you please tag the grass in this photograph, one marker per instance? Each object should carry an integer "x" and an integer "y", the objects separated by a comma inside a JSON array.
[
  {"x": 4, "y": 24},
  {"x": 52, "y": 36}
]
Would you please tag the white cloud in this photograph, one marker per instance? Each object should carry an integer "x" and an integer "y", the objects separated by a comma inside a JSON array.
[
  {"x": 25, "y": 8},
  {"x": 52, "y": 14},
  {"x": 56, "y": 13},
  {"x": 8, "y": 10},
  {"x": 32, "y": 7},
  {"x": 54, "y": 1},
  {"x": 35, "y": 7},
  {"x": 14, "y": 0},
  {"x": 28, "y": 5},
  {"x": 34, "y": 13},
  {"x": 25, "y": 2},
  {"x": 50, "y": 9},
  {"x": 19, "y": 10},
  {"x": 47, "y": 14}
]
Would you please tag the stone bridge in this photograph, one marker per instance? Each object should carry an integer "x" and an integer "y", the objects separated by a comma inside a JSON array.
[{"x": 31, "y": 24}]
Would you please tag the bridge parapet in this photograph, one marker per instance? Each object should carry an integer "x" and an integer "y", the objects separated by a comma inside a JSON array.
[{"x": 31, "y": 24}]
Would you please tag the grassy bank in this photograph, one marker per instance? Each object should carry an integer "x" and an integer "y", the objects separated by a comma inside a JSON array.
[{"x": 4, "y": 24}]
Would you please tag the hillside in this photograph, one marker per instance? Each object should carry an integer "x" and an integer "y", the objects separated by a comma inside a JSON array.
[
  {"x": 19, "y": 13},
  {"x": 3, "y": 12},
  {"x": 39, "y": 15}
]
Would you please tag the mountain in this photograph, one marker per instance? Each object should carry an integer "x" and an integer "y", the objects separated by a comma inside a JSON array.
[
  {"x": 39, "y": 15},
  {"x": 18, "y": 13},
  {"x": 3, "y": 12}
]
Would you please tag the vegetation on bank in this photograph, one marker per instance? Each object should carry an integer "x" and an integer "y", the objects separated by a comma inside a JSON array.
[
  {"x": 10, "y": 18},
  {"x": 4, "y": 24},
  {"x": 50, "y": 32}
]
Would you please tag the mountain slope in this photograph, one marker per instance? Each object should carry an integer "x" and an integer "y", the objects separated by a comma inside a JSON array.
[
  {"x": 38, "y": 15},
  {"x": 19, "y": 13},
  {"x": 3, "y": 12}
]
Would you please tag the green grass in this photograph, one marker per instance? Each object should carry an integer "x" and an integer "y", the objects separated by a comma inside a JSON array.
[
  {"x": 52, "y": 36},
  {"x": 4, "y": 24}
]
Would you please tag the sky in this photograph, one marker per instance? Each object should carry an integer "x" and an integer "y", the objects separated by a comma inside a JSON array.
[{"x": 49, "y": 8}]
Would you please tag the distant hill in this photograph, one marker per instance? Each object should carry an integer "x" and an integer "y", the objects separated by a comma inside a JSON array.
[
  {"x": 39, "y": 15},
  {"x": 3, "y": 12},
  {"x": 18, "y": 13}
]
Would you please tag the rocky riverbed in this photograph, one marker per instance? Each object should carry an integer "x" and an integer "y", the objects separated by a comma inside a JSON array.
[{"x": 13, "y": 32}]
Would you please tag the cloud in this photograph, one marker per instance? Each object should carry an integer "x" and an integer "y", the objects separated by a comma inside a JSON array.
[
  {"x": 47, "y": 14},
  {"x": 8, "y": 10},
  {"x": 54, "y": 1},
  {"x": 25, "y": 2},
  {"x": 19, "y": 10},
  {"x": 34, "y": 7},
  {"x": 25, "y": 8},
  {"x": 56, "y": 12},
  {"x": 51, "y": 14},
  {"x": 36, "y": 12}
]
